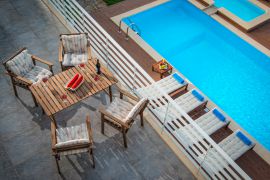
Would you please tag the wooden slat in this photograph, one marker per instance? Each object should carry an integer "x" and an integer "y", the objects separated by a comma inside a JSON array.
[
  {"x": 62, "y": 79},
  {"x": 57, "y": 92},
  {"x": 40, "y": 101},
  {"x": 46, "y": 94}
]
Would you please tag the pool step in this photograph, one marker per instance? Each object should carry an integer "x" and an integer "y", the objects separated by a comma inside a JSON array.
[{"x": 210, "y": 10}]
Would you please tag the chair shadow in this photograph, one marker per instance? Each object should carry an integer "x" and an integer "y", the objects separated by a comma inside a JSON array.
[
  {"x": 85, "y": 163},
  {"x": 38, "y": 117}
]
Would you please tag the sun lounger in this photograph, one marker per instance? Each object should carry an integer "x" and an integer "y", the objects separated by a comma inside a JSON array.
[
  {"x": 212, "y": 121},
  {"x": 234, "y": 146},
  {"x": 190, "y": 100},
  {"x": 169, "y": 84},
  {"x": 209, "y": 122}
]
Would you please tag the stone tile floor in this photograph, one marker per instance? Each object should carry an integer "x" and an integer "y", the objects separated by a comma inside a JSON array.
[
  {"x": 92, "y": 5},
  {"x": 25, "y": 133}
]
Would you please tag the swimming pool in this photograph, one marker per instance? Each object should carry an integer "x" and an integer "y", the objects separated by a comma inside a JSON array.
[
  {"x": 231, "y": 72},
  {"x": 244, "y": 9}
]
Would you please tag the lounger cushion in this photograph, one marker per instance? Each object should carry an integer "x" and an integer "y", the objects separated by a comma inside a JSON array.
[
  {"x": 74, "y": 59},
  {"x": 178, "y": 78},
  {"x": 189, "y": 101},
  {"x": 219, "y": 115},
  {"x": 37, "y": 73},
  {"x": 136, "y": 109},
  {"x": 198, "y": 95},
  {"x": 20, "y": 64},
  {"x": 120, "y": 109},
  {"x": 71, "y": 136},
  {"x": 243, "y": 138},
  {"x": 75, "y": 43},
  {"x": 234, "y": 146}
]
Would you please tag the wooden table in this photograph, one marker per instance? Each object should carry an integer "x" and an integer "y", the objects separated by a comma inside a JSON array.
[
  {"x": 49, "y": 94},
  {"x": 155, "y": 68}
]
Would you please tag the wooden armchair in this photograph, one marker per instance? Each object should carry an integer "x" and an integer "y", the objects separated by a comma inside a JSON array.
[
  {"x": 74, "y": 49},
  {"x": 121, "y": 114},
  {"x": 72, "y": 140},
  {"x": 23, "y": 71}
]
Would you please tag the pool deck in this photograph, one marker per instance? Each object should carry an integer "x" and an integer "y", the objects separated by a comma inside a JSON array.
[{"x": 260, "y": 169}]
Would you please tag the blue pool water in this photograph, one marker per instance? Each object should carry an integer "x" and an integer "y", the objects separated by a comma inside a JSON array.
[
  {"x": 244, "y": 9},
  {"x": 232, "y": 73}
]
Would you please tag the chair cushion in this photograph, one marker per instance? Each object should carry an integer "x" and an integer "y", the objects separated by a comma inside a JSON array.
[
  {"x": 37, "y": 73},
  {"x": 136, "y": 109},
  {"x": 120, "y": 109},
  {"x": 74, "y": 59},
  {"x": 70, "y": 136},
  {"x": 20, "y": 64},
  {"x": 75, "y": 43}
]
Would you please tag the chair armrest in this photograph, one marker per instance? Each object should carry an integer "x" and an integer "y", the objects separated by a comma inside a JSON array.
[
  {"x": 90, "y": 134},
  {"x": 53, "y": 135},
  {"x": 126, "y": 93},
  {"x": 24, "y": 80},
  {"x": 35, "y": 58},
  {"x": 60, "y": 52},
  {"x": 106, "y": 113},
  {"x": 89, "y": 54}
]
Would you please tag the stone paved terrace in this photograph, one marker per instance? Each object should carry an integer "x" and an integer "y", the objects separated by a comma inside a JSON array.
[{"x": 25, "y": 148}]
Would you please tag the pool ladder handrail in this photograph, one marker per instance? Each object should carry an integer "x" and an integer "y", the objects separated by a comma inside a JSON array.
[
  {"x": 119, "y": 26},
  {"x": 129, "y": 26}
]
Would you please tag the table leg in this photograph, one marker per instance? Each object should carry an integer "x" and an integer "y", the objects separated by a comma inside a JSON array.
[
  {"x": 34, "y": 99},
  {"x": 53, "y": 119},
  {"x": 110, "y": 93}
]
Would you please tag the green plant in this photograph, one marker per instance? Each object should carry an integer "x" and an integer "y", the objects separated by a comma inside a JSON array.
[{"x": 111, "y": 2}]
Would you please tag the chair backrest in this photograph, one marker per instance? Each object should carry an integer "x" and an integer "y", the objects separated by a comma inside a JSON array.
[
  {"x": 20, "y": 63},
  {"x": 74, "y": 43},
  {"x": 136, "y": 110}
]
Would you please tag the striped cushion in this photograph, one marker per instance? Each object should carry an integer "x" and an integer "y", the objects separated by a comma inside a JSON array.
[
  {"x": 120, "y": 109},
  {"x": 74, "y": 59},
  {"x": 20, "y": 64},
  {"x": 75, "y": 43},
  {"x": 70, "y": 136},
  {"x": 37, "y": 74},
  {"x": 136, "y": 109}
]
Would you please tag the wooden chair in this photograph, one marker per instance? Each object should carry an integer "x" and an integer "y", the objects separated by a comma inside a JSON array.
[
  {"x": 72, "y": 140},
  {"x": 121, "y": 114},
  {"x": 23, "y": 71},
  {"x": 74, "y": 49}
]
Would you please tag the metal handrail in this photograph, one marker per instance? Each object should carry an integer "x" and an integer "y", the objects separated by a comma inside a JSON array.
[
  {"x": 119, "y": 26},
  {"x": 130, "y": 26}
]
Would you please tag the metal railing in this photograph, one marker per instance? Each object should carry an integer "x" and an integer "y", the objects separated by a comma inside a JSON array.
[
  {"x": 132, "y": 25},
  {"x": 195, "y": 143}
]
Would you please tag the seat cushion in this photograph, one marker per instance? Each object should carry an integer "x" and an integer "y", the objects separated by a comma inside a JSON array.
[
  {"x": 74, "y": 59},
  {"x": 37, "y": 73},
  {"x": 20, "y": 64},
  {"x": 120, "y": 109},
  {"x": 70, "y": 136},
  {"x": 136, "y": 109},
  {"x": 75, "y": 43}
]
